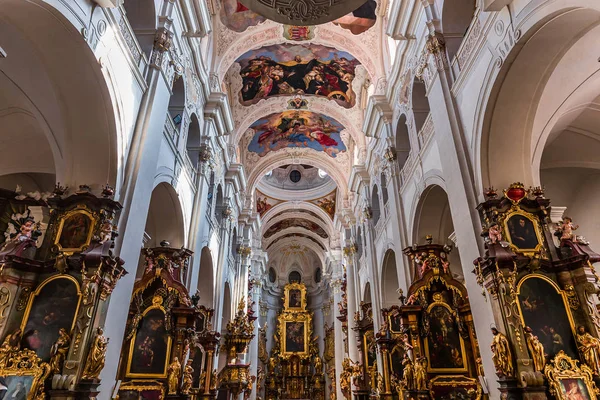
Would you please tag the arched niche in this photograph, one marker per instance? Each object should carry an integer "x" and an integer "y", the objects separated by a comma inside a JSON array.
[
  {"x": 141, "y": 15},
  {"x": 164, "y": 220},
  {"x": 433, "y": 218},
  {"x": 420, "y": 104},
  {"x": 193, "y": 141},
  {"x": 57, "y": 108},
  {"x": 535, "y": 87},
  {"x": 367, "y": 293},
  {"x": 205, "y": 285},
  {"x": 177, "y": 103},
  {"x": 226, "y": 313},
  {"x": 402, "y": 142},
  {"x": 456, "y": 19},
  {"x": 375, "y": 207},
  {"x": 389, "y": 282},
  {"x": 219, "y": 202},
  {"x": 384, "y": 190}
]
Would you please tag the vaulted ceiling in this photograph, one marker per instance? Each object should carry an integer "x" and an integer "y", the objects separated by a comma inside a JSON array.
[{"x": 298, "y": 96}]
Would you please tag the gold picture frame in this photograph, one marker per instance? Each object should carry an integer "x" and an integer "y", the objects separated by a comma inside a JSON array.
[
  {"x": 68, "y": 248},
  {"x": 24, "y": 367},
  {"x": 505, "y": 221},
  {"x": 141, "y": 386},
  {"x": 294, "y": 297},
  {"x": 567, "y": 378},
  {"x": 463, "y": 354},
  {"x": 368, "y": 337},
  {"x": 453, "y": 382},
  {"x": 163, "y": 374}
]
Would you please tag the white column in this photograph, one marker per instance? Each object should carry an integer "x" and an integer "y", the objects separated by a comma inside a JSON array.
[
  {"x": 340, "y": 352},
  {"x": 252, "y": 356},
  {"x": 351, "y": 279},
  {"x": 135, "y": 197}
]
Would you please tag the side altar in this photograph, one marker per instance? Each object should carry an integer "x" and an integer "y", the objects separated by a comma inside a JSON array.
[{"x": 295, "y": 369}]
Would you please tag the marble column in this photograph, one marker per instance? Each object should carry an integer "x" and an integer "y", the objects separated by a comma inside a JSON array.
[
  {"x": 351, "y": 279},
  {"x": 340, "y": 353}
]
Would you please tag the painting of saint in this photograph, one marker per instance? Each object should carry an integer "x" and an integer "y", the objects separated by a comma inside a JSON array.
[
  {"x": 574, "y": 389},
  {"x": 75, "y": 231},
  {"x": 291, "y": 128},
  {"x": 15, "y": 387},
  {"x": 297, "y": 69},
  {"x": 445, "y": 347},
  {"x": 296, "y": 222},
  {"x": 294, "y": 337},
  {"x": 237, "y": 17},
  {"x": 295, "y": 296},
  {"x": 52, "y": 309},
  {"x": 536, "y": 298},
  {"x": 370, "y": 348},
  {"x": 150, "y": 346},
  {"x": 522, "y": 232},
  {"x": 360, "y": 20}
]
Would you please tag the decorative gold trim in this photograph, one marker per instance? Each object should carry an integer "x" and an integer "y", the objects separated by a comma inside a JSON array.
[
  {"x": 37, "y": 291},
  {"x": 516, "y": 210},
  {"x": 462, "y": 344},
  {"x": 366, "y": 335},
  {"x": 141, "y": 386},
  {"x": 558, "y": 290},
  {"x": 563, "y": 367},
  {"x": 128, "y": 372},
  {"x": 81, "y": 209},
  {"x": 454, "y": 381},
  {"x": 295, "y": 286},
  {"x": 26, "y": 363}
]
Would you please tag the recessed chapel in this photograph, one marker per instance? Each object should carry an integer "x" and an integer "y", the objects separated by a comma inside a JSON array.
[{"x": 299, "y": 199}]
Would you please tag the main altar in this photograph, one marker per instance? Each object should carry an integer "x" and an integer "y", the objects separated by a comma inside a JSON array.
[{"x": 295, "y": 369}]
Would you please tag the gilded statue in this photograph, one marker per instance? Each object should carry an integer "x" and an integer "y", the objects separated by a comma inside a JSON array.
[
  {"x": 318, "y": 365},
  {"x": 421, "y": 374},
  {"x": 409, "y": 373},
  {"x": 12, "y": 342},
  {"x": 97, "y": 356},
  {"x": 396, "y": 384},
  {"x": 188, "y": 379},
  {"x": 589, "y": 347},
  {"x": 380, "y": 384},
  {"x": 260, "y": 377},
  {"x": 536, "y": 350},
  {"x": 173, "y": 375},
  {"x": 502, "y": 356},
  {"x": 59, "y": 350},
  {"x": 202, "y": 380},
  {"x": 272, "y": 365},
  {"x": 214, "y": 382}
]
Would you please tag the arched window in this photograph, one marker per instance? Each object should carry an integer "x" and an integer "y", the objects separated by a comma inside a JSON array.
[
  {"x": 193, "y": 141},
  {"x": 176, "y": 107},
  {"x": 384, "y": 191}
]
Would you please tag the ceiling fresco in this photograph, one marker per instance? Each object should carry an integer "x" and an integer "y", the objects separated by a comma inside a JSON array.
[
  {"x": 299, "y": 210},
  {"x": 296, "y": 235},
  {"x": 296, "y": 223},
  {"x": 292, "y": 69},
  {"x": 361, "y": 20},
  {"x": 327, "y": 203},
  {"x": 302, "y": 129},
  {"x": 264, "y": 203},
  {"x": 237, "y": 17}
]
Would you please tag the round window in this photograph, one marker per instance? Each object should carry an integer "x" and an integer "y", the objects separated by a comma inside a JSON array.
[
  {"x": 272, "y": 275},
  {"x": 295, "y": 176}
]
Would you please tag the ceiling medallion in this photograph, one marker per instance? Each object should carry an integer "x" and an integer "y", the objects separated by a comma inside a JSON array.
[{"x": 303, "y": 12}]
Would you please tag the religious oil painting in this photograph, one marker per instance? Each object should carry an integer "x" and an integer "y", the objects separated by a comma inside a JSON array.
[
  {"x": 237, "y": 17},
  {"x": 537, "y": 297},
  {"x": 522, "y": 232},
  {"x": 129, "y": 391},
  {"x": 303, "y": 129},
  {"x": 360, "y": 20},
  {"x": 574, "y": 389},
  {"x": 461, "y": 389},
  {"x": 444, "y": 346},
  {"x": 295, "y": 298},
  {"x": 52, "y": 308},
  {"x": 14, "y": 387},
  {"x": 150, "y": 346},
  {"x": 75, "y": 231},
  {"x": 295, "y": 223},
  {"x": 297, "y": 69},
  {"x": 295, "y": 337},
  {"x": 370, "y": 347}
]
